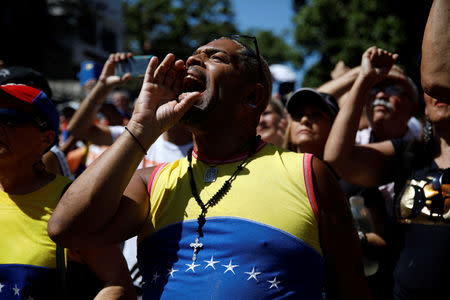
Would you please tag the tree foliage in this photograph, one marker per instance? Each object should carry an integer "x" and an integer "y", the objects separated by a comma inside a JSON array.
[
  {"x": 176, "y": 26},
  {"x": 179, "y": 26},
  {"x": 344, "y": 29}
]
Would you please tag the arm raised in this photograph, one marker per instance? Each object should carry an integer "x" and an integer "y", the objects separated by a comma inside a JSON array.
[
  {"x": 361, "y": 165},
  {"x": 94, "y": 210},
  {"x": 82, "y": 126},
  {"x": 340, "y": 85}
]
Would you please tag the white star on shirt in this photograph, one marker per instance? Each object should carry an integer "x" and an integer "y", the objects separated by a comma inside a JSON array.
[
  {"x": 1, "y": 286},
  {"x": 16, "y": 290},
  {"x": 171, "y": 271},
  {"x": 155, "y": 277},
  {"x": 274, "y": 282},
  {"x": 230, "y": 267},
  {"x": 253, "y": 274},
  {"x": 192, "y": 266},
  {"x": 211, "y": 262}
]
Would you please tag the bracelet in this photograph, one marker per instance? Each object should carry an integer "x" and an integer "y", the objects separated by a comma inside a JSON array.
[{"x": 136, "y": 139}]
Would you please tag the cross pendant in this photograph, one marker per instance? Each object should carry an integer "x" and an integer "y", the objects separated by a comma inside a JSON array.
[{"x": 196, "y": 247}]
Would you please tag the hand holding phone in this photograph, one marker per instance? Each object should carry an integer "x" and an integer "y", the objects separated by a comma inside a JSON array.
[{"x": 136, "y": 66}]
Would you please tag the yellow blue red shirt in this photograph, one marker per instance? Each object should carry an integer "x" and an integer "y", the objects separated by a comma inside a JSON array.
[
  {"x": 27, "y": 254},
  {"x": 261, "y": 241}
]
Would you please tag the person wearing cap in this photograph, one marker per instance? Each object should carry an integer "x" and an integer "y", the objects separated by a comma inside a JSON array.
[
  {"x": 29, "y": 263},
  {"x": 311, "y": 116},
  {"x": 422, "y": 239},
  {"x": 54, "y": 160},
  {"x": 272, "y": 123}
]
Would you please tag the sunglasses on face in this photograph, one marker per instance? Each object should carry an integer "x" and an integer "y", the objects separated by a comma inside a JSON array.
[
  {"x": 18, "y": 118},
  {"x": 393, "y": 90}
]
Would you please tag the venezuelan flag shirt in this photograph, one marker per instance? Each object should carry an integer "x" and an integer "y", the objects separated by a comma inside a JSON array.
[
  {"x": 27, "y": 254},
  {"x": 261, "y": 240}
]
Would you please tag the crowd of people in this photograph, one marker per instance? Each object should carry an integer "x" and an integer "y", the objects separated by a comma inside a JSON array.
[{"x": 210, "y": 186}]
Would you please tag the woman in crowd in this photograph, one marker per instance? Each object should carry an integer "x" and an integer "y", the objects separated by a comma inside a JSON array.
[
  {"x": 272, "y": 123},
  {"x": 311, "y": 115}
]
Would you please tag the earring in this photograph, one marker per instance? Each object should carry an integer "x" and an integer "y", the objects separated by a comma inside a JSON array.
[{"x": 428, "y": 131}]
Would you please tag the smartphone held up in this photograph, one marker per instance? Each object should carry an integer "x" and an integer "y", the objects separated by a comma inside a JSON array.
[{"x": 136, "y": 66}]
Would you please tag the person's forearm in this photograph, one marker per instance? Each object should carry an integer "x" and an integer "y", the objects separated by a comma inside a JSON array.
[
  {"x": 435, "y": 65},
  {"x": 341, "y": 140},
  {"x": 69, "y": 144},
  {"x": 110, "y": 267},
  {"x": 84, "y": 117},
  {"x": 94, "y": 198},
  {"x": 115, "y": 292},
  {"x": 337, "y": 87}
]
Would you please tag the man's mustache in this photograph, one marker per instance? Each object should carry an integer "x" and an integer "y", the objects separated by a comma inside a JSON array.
[{"x": 382, "y": 102}]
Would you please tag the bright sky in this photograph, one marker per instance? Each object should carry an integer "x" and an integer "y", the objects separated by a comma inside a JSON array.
[{"x": 275, "y": 15}]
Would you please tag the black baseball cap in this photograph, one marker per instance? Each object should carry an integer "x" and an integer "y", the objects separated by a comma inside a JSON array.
[{"x": 303, "y": 95}]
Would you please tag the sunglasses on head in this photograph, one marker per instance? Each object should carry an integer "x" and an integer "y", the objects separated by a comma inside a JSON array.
[
  {"x": 253, "y": 52},
  {"x": 393, "y": 90},
  {"x": 16, "y": 118}
]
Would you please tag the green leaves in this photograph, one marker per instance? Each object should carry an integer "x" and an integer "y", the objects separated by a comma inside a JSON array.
[
  {"x": 175, "y": 26},
  {"x": 275, "y": 49},
  {"x": 344, "y": 29}
]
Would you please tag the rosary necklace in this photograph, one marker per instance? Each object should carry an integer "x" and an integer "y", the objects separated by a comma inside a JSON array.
[{"x": 201, "y": 220}]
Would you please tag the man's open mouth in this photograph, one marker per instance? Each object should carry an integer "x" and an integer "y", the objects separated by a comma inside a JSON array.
[{"x": 192, "y": 83}]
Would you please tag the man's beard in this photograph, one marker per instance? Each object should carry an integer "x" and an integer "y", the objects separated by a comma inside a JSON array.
[{"x": 193, "y": 116}]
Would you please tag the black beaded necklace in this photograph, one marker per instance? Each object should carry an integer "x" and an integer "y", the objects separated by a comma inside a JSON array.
[{"x": 201, "y": 220}]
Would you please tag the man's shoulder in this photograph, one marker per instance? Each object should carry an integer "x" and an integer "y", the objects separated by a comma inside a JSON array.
[{"x": 274, "y": 150}]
